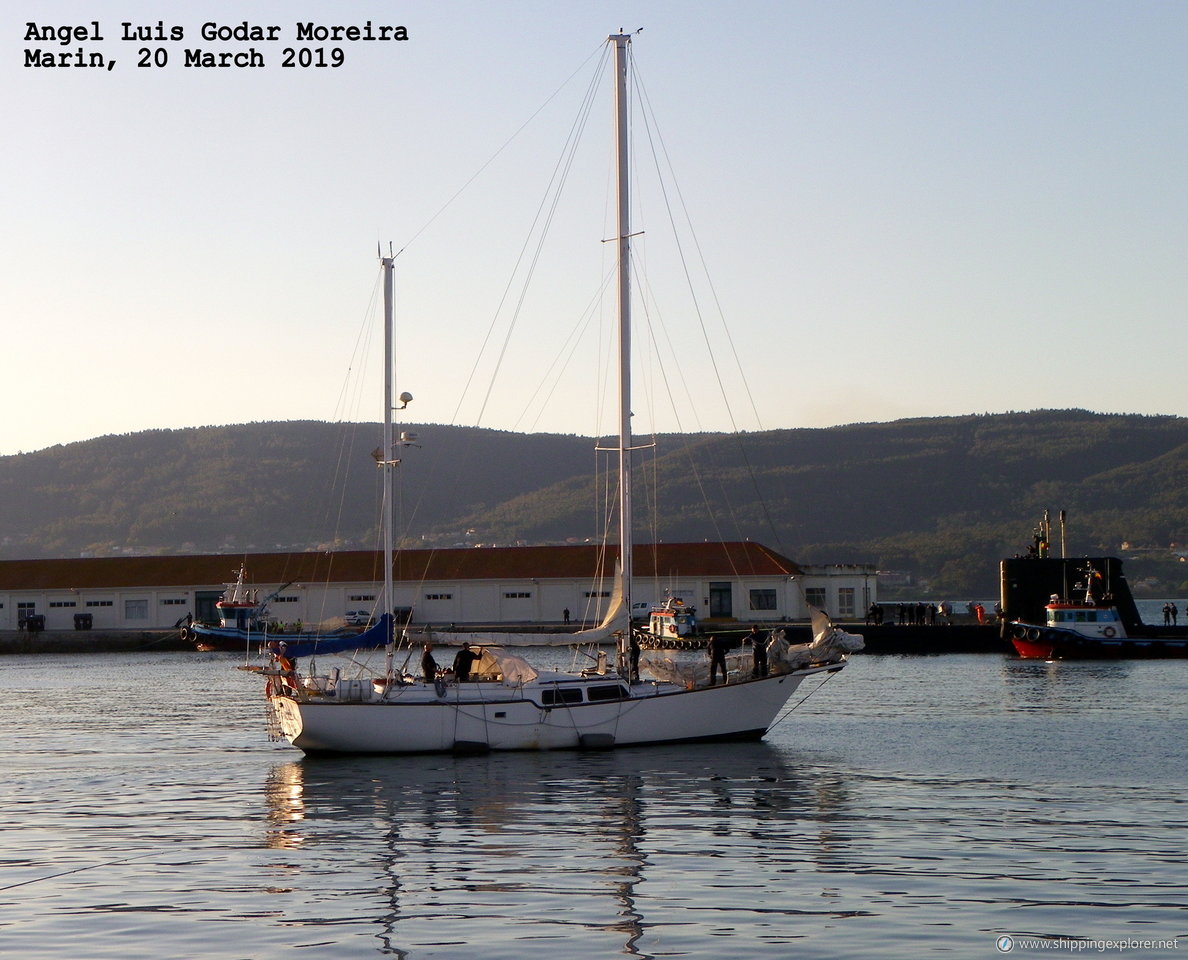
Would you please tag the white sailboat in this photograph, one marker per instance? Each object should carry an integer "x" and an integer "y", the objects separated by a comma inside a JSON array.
[{"x": 506, "y": 704}]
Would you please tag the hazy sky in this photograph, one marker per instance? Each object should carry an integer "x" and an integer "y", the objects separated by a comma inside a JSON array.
[{"x": 905, "y": 208}]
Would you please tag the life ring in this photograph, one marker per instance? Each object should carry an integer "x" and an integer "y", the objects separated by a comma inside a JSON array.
[{"x": 1109, "y": 632}]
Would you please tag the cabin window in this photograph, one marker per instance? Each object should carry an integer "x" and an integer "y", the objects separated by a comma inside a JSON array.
[
  {"x": 551, "y": 698},
  {"x": 608, "y": 692},
  {"x": 763, "y": 600},
  {"x": 845, "y": 601}
]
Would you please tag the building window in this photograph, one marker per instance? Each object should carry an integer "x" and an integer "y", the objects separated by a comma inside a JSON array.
[
  {"x": 136, "y": 610},
  {"x": 517, "y": 596},
  {"x": 845, "y": 602},
  {"x": 815, "y": 596},
  {"x": 62, "y": 603},
  {"x": 27, "y": 606},
  {"x": 362, "y": 598},
  {"x": 99, "y": 603},
  {"x": 439, "y": 596},
  {"x": 285, "y": 600},
  {"x": 763, "y": 599},
  {"x": 173, "y": 602},
  {"x": 595, "y": 594}
]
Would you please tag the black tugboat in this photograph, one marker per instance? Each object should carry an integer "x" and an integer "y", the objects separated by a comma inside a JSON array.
[{"x": 1071, "y": 608}]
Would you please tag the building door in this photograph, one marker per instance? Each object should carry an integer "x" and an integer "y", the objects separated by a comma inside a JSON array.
[
  {"x": 720, "y": 602},
  {"x": 204, "y": 605}
]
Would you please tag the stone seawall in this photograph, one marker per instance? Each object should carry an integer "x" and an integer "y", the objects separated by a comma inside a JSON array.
[{"x": 90, "y": 641}]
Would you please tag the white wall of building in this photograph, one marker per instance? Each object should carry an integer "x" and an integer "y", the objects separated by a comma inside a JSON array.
[{"x": 844, "y": 592}]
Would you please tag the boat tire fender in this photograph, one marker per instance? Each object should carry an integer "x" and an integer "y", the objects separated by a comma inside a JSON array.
[
  {"x": 1033, "y": 634},
  {"x": 1109, "y": 632},
  {"x": 1020, "y": 631}
]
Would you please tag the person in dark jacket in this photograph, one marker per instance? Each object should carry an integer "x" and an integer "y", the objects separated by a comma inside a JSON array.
[
  {"x": 717, "y": 654},
  {"x": 463, "y": 661},
  {"x": 758, "y": 652},
  {"x": 428, "y": 664}
]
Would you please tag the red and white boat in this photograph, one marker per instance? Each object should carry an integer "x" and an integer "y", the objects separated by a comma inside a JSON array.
[{"x": 1089, "y": 629}]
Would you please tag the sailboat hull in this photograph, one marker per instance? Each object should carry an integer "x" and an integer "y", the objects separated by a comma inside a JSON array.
[{"x": 478, "y": 717}]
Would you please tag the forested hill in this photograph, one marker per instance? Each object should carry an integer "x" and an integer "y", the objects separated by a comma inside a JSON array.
[{"x": 942, "y": 499}]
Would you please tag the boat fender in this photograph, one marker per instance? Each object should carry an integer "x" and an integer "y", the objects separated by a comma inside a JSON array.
[
  {"x": 1109, "y": 632},
  {"x": 1033, "y": 634},
  {"x": 1020, "y": 631},
  {"x": 185, "y": 634},
  {"x": 439, "y": 686}
]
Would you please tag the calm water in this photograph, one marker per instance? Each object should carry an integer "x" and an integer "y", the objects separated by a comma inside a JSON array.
[{"x": 914, "y": 807}]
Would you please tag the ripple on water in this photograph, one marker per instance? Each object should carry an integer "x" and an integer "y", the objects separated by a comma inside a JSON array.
[{"x": 915, "y": 806}]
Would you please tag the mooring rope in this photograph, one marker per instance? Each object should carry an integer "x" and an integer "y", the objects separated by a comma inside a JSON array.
[
  {"x": 829, "y": 676},
  {"x": 66, "y": 873}
]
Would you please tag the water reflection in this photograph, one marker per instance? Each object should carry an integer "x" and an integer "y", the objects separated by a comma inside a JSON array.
[
  {"x": 1059, "y": 684},
  {"x": 553, "y": 841}
]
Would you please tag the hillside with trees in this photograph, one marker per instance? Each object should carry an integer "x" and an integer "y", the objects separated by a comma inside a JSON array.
[{"x": 939, "y": 500}]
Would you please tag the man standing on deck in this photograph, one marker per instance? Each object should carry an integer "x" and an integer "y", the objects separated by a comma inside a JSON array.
[
  {"x": 463, "y": 661},
  {"x": 428, "y": 664},
  {"x": 758, "y": 652},
  {"x": 717, "y": 654}
]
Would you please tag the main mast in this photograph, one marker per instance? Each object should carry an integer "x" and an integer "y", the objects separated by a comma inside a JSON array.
[{"x": 622, "y": 42}]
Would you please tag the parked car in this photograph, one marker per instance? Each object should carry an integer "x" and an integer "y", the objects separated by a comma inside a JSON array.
[{"x": 358, "y": 618}]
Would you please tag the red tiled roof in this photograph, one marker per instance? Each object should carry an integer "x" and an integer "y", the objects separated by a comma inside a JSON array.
[{"x": 664, "y": 560}]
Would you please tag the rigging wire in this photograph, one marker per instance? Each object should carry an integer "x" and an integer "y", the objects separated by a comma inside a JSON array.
[
  {"x": 647, "y": 113},
  {"x": 494, "y": 156},
  {"x": 546, "y": 209}
]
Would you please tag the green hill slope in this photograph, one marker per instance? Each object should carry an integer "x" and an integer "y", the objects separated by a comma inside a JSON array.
[{"x": 941, "y": 498}]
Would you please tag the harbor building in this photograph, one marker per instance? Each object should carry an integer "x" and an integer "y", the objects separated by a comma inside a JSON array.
[{"x": 739, "y": 581}]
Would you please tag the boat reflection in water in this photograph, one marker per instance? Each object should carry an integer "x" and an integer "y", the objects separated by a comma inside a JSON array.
[{"x": 510, "y": 849}]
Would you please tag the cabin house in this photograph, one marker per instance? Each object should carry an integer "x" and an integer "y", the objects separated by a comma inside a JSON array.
[{"x": 729, "y": 582}]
